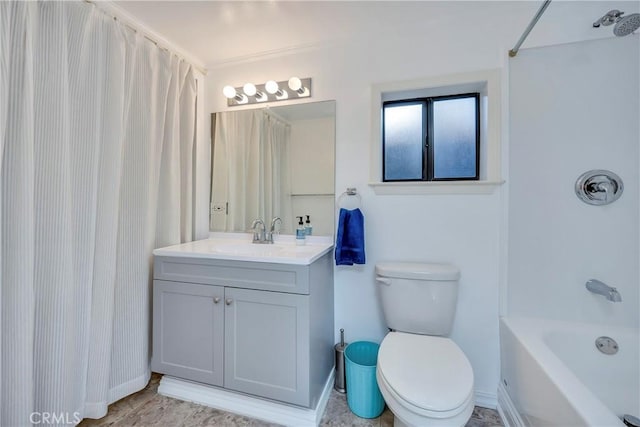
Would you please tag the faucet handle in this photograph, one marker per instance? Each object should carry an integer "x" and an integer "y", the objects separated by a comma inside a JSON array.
[
  {"x": 258, "y": 236},
  {"x": 273, "y": 228},
  {"x": 273, "y": 223}
]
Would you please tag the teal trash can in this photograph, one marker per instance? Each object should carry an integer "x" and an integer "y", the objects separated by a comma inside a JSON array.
[{"x": 363, "y": 394}]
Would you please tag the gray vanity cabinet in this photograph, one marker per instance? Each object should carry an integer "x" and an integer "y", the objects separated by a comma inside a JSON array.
[
  {"x": 266, "y": 344},
  {"x": 263, "y": 329},
  {"x": 188, "y": 329}
]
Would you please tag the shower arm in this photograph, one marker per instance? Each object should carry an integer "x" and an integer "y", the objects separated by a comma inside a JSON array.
[{"x": 513, "y": 52}]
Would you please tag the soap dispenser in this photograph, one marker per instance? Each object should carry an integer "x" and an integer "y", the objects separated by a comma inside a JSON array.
[
  {"x": 300, "y": 232},
  {"x": 308, "y": 228}
]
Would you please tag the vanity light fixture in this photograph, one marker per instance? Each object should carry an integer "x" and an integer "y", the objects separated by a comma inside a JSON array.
[
  {"x": 273, "y": 88},
  {"x": 231, "y": 93},
  {"x": 296, "y": 84},
  {"x": 250, "y": 93},
  {"x": 250, "y": 90}
]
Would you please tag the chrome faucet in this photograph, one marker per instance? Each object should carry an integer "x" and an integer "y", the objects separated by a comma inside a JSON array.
[
  {"x": 597, "y": 287},
  {"x": 259, "y": 236},
  {"x": 273, "y": 228}
]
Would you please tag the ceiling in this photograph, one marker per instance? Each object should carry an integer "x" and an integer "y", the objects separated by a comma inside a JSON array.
[{"x": 222, "y": 32}]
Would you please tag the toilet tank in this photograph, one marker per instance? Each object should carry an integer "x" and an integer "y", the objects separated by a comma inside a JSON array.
[{"x": 419, "y": 298}]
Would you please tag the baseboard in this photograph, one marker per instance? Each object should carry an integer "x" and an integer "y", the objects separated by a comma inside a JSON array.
[
  {"x": 507, "y": 410},
  {"x": 242, "y": 404},
  {"x": 486, "y": 400}
]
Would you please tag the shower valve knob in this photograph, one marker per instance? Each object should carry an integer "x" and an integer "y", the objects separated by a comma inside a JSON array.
[{"x": 599, "y": 187}]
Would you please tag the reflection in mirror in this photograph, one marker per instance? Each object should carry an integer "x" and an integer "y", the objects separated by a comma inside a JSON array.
[{"x": 273, "y": 162}]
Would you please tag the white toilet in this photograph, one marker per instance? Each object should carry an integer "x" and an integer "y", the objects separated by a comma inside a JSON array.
[{"x": 424, "y": 377}]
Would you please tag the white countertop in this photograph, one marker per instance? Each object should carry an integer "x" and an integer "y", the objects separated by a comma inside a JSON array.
[{"x": 238, "y": 247}]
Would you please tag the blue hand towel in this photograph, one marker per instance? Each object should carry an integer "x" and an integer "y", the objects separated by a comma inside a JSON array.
[{"x": 350, "y": 238}]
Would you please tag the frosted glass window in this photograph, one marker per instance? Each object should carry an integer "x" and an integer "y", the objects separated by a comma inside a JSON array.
[
  {"x": 403, "y": 141},
  {"x": 430, "y": 139},
  {"x": 454, "y": 138}
]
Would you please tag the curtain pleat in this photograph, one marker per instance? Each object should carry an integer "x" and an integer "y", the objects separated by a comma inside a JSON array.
[
  {"x": 187, "y": 132},
  {"x": 4, "y": 88},
  {"x": 18, "y": 216},
  {"x": 112, "y": 94},
  {"x": 276, "y": 180},
  {"x": 91, "y": 133}
]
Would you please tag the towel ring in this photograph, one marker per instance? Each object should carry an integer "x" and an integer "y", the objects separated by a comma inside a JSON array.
[{"x": 349, "y": 196}]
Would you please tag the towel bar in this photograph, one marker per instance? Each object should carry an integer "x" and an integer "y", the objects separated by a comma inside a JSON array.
[{"x": 351, "y": 191}]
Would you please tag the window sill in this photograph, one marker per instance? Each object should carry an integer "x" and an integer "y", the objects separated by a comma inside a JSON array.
[{"x": 439, "y": 187}]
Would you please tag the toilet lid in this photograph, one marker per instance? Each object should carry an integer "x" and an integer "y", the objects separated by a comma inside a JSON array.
[{"x": 428, "y": 372}]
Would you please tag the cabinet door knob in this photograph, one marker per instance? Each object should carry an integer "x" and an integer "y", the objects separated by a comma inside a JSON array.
[
  {"x": 228, "y": 301},
  {"x": 216, "y": 300}
]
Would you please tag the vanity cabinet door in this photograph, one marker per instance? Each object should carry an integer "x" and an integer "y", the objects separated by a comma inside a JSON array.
[
  {"x": 267, "y": 344},
  {"x": 188, "y": 331}
]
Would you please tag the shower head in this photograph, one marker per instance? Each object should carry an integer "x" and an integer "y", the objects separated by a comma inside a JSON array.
[
  {"x": 609, "y": 18},
  {"x": 627, "y": 25}
]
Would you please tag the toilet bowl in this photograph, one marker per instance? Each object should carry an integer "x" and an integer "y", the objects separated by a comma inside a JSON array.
[
  {"x": 424, "y": 377},
  {"x": 425, "y": 380}
]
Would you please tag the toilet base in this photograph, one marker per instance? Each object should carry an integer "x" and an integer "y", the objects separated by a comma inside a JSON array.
[
  {"x": 397, "y": 422},
  {"x": 458, "y": 421}
]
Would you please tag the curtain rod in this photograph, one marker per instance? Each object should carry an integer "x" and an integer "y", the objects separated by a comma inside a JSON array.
[
  {"x": 513, "y": 52},
  {"x": 121, "y": 16}
]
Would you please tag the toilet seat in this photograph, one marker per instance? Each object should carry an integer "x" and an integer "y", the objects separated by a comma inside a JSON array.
[
  {"x": 411, "y": 415},
  {"x": 427, "y": 375}
]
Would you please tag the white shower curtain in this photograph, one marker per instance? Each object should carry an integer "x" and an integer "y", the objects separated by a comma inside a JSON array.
[
  {"x": 251, "y": 171},
  {"x": 97, "y": 126}
]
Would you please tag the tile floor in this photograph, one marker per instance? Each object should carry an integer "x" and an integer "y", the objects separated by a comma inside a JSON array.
[{"x": 147, "y": 408}]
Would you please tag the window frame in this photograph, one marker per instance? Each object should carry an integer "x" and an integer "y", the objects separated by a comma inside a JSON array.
[{"x": 427, "y": 137}]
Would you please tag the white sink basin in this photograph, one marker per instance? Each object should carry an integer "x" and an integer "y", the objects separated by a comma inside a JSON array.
[{"x": 283, "y": 251}]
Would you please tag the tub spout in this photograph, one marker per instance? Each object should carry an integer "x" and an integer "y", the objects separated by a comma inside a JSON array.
[
  {"x": 614, "y": 295},
  {"x": 600, "y": 288}
]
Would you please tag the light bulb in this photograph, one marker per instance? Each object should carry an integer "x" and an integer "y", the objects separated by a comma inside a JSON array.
[
  {"x": 229, "y": 91},
  {"x": 271, "y": 86},
  {"x": 249, "y": 89},
  {"x": 295, "y": 84}
]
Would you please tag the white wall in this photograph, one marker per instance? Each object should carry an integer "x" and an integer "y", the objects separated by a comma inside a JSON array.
[
  {"x": 574, "y": 107},
  {"x": 462, "y": 229},
  {"x": 312, "y": 172}
]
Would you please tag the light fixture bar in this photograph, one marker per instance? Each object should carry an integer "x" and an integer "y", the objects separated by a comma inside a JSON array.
[{"x": 268, "y": 92}]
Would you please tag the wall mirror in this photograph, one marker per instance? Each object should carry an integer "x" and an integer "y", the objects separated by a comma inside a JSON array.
[{"x": 273, "y": 162}]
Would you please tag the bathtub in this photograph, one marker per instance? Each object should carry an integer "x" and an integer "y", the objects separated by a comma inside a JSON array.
[{"x": 552, "y": 374}]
